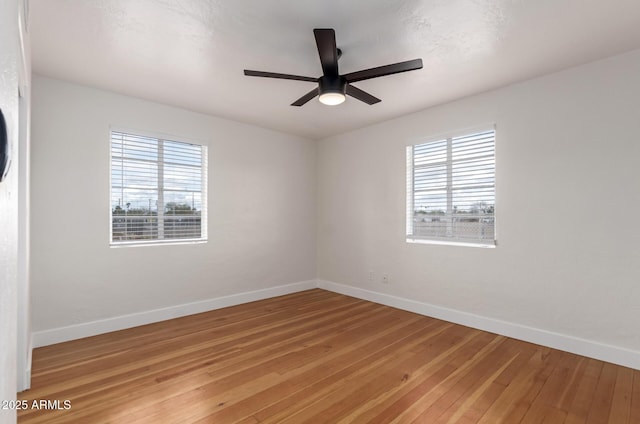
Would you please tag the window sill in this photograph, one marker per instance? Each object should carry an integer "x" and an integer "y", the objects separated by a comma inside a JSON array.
[
  {"x": 156, "y": 243},
  {"x": 452, "y": 243}
]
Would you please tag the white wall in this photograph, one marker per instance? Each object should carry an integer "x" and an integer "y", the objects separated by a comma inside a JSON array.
[
  {"x": 568, "y": 254},
  {"x": 10, "y": 59},
  {"x": 261, "y": 210}
]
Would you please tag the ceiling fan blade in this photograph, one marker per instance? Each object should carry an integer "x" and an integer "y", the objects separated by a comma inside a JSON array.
[
  {"x": 279, "y": 76},
  {"x": 380, "y": 71},
  {"x": 304, "y": 99},
  {"x": 326, "y": 42},
  {"x": 363, "y": 96}
]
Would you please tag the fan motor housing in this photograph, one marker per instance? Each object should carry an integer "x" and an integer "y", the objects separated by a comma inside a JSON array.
[{"x": 337, "y": 84}]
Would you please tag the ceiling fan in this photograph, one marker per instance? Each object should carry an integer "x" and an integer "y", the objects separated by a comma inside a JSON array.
[{"x": 333, "y": 87}]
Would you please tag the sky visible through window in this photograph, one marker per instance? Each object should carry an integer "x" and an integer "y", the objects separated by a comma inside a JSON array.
[{"x": 134, "y": 173}]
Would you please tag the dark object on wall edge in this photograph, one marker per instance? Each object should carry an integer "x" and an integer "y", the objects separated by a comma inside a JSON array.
[{"x": 5, "y": 154}]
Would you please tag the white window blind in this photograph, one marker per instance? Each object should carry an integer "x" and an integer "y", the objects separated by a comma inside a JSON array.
[
  {"x": 451, "y": 189},
  {"x": 158, "y": 190}
]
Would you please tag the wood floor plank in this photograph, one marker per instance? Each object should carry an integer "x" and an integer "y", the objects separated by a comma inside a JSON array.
[
  {"x": 515, "y": 401},
  {"x": 429, "y": 395},
  {"x": 317, "y": 389},
  {"x": 635, "y": 399},
  {"x": 474, "y": 412},
  {"x": 458, "y": 409},
  {"x": 546, "y": 403},
  {"x": 601, "y": 406},
  {"x": 621, "y": 402},
  {"x": 464, "y": 392},
  {"x": 220, "y": 391},
  {"x": 317, "y": 357},
  {"x": 436, "y": 360},
  {"x": 578, "y": 411}
]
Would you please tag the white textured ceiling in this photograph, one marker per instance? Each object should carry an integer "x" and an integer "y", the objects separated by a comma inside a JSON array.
[{"x": 191, "y": 53}]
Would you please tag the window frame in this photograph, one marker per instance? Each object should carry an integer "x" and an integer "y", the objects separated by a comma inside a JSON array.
[
  {"x": 204, "y": 189},
  {"x": 449, "y": 188}
]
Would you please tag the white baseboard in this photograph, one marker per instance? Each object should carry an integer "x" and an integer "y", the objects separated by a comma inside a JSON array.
[
  {"x": 23, "y": 383},
  {"x": 589, "y": 348},
  {"x": 92, "y": 328}
]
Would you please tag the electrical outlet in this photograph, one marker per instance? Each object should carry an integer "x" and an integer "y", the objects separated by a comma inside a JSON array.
[
  {"x": 372, "y": 276},
  {"x": 385, "y": 278}
]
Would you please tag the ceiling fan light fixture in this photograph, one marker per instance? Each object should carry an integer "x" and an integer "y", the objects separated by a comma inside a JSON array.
[{"x": 332, "y": 98}]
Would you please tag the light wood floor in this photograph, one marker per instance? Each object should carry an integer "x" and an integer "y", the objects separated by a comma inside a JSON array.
[{"x": 320, "y": 357}]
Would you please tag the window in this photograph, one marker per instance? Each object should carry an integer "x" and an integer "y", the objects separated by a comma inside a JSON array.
[
  {"x": 158, "y": 190},
  {"x": 451, "y": 190}
]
